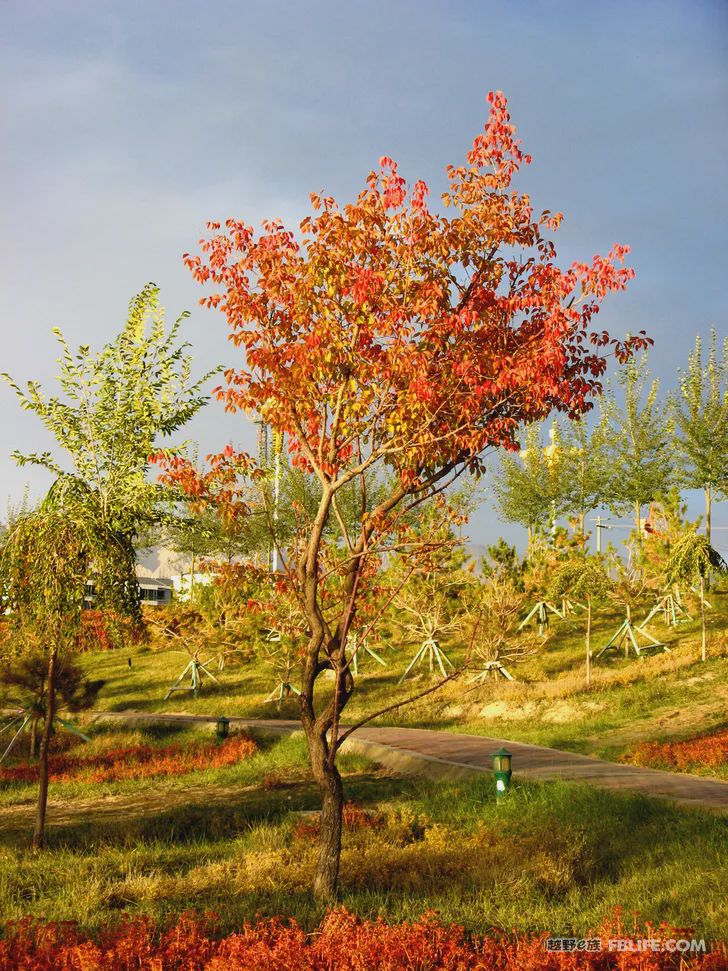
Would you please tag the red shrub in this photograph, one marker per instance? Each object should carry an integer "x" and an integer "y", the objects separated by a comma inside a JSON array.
[
  {"x": 105, "y": 630},
  {"x": 342, "y": 943},
  {"x": 138, "y": 762},
  {"x": 707, "y": 751},
  {"x": 94, "y": 634},
  {"x": 354, "y": 818}
]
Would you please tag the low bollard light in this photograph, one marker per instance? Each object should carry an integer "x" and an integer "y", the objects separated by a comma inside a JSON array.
[
  {"x": 223, "y": 728},
  {"x": 502, "y": 771}
]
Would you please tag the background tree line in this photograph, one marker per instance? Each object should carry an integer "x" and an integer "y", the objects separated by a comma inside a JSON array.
[{"x": 641, "y": 446}]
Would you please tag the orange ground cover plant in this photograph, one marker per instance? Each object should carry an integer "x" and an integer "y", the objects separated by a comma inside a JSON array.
[
  {"x": 94, "y": 633},
  {"x": 707, "y": 751},
  {"x": 342, "y": 942},
  {"x": 354, "y": 818},
  {"x": 138, "y": 761}
]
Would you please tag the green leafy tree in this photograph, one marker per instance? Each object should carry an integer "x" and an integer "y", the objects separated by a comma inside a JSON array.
[
  {"x": 229, "y": 539},
  {"x": 301, "y": 495},
  {"x": 44, "y": 566},
  {"x": 667, "y": 524},
  {"x": 207, "y": 538},
  {"x": 219, "y": 619},
  {"x": 583, "y": 470},
  {"x": 116, "y": 406},
  {"x": 638, "y": 443},
  {"x": 529, "y": 488},
  {"x": 14, "y": 511},
  {"x": 701, "y": 418},
  {"x": 429, "y": 606},
  {"x": 193, "y": 536},
  {"x": 691, "y": 561}
]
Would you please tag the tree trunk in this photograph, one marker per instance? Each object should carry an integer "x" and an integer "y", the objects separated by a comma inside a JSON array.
[
  {"x": 629, "y": 626},
  {"x": 637, "y": 518},
  {"x": 317, "y": 728},
  {"x": 703, "y": 644},
  {"x": 552, "y": 522},
  {"x": 588, "y": 638},
  {"x": 40, "y": 815},
  {"x": 34, "y": 737},
  {"x": 332, "y": 808},
  {"x": 708, "y": 510},
  {"x": 327, "y": 650}
]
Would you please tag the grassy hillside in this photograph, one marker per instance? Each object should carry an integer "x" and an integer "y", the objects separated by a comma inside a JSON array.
[
  {"x": 664, "y": 696},
  {"x": 239, "y": 838}
]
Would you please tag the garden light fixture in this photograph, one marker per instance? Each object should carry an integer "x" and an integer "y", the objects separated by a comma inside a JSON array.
[
  {"x": 223, "y": 728},
  {"x": 502, "y": 771}
]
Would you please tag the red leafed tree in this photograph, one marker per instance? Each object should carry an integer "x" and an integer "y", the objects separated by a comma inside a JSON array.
[{"x": 384, "y": 335}]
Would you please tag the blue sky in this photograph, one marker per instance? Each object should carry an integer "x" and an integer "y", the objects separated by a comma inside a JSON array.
[{"x": 125, "y": 126}]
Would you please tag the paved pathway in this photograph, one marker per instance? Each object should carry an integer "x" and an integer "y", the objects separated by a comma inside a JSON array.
[
  {"x": 451, "y": 754},
  {"x": 534, "y": 762}
]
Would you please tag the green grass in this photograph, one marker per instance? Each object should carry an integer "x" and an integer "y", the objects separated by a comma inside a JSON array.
[
  {"x": 555, "y": 857},
  {"x": 286, "y": 761}
]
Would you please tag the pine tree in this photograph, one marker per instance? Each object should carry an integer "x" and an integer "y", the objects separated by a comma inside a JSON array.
[
  {"x": 502, "y": 562},
  {"x": 701, "y": 417},
  {"x": 583, "y": 578}
]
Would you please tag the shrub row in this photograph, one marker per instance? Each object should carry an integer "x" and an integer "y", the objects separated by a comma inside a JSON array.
[
  {"x": 138, "y": 761},
  {"x": 708, "y": 751},
  {"x": 341, "y": 943}
]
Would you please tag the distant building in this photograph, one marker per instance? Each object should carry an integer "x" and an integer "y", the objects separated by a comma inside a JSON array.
[{"x": 153, "y": 590}]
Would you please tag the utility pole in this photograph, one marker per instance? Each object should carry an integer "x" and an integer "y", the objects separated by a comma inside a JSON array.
[
  {"x": 551, "y": 454},
  {"x": 271, "y": 449},
  {"x": 277, "y": 449}
]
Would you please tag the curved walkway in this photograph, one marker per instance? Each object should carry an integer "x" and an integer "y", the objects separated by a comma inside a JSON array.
[{"x": 449, "y": 754}]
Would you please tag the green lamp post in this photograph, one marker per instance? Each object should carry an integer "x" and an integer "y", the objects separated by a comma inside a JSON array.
[
  {"x": 223, "y": 728},
  {"x": 502, "y": 771}
]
